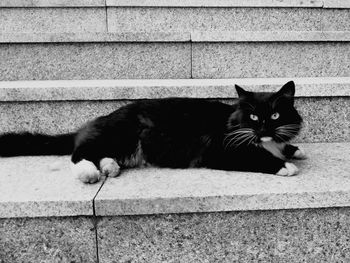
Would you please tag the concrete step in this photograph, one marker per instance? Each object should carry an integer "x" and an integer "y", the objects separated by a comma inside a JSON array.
[
  {"x": 63, "y": 106},
  {"x": 165, "y": 215},
  {"x": 171, "y": 15},
  {"x": 164, "y": 55}
]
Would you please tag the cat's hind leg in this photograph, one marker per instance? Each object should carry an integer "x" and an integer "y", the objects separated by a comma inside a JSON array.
[{"x": 291, "y": 151}]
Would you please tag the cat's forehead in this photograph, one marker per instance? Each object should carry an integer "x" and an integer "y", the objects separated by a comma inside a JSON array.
[{"x": 262, "y": 97}]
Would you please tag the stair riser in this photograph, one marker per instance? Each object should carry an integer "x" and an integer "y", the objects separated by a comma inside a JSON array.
[
  {"x": 52, "y": 20},
  {"x": 129, "y": 19},
  {"x": 325, "y": 119},
  {"x": 50, "y": 239},
  {"x": 173, "y": 60},
  {"x": 293, "y": 59},
  {"x": 231, "y": 19},
  {"x": 94, "y": 61},
  {"x": 318, "y": 235}
]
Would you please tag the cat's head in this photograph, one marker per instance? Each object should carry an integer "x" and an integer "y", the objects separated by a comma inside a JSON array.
[{"x": 264, "y": 116}]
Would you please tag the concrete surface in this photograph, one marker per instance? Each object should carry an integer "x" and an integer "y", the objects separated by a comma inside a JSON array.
[
  {"x": 311, "y": 235},
  {"x": 52, "y": 3},
  {"x": 42, "y": 187},
  {"x": 48, "y": 240},
  {"x": 74, "y": 37},
  {"x": 132, "y": 89},
  {"x": 222, "y": 3},
  {"x": 52, "y": 20},
  {"x": 134, "y": 19},
  {"x": 255, "y": 60},
  {"x": 293, "y": 236},
  {"x": 94, "y": 61},
  {"x": 323, "y": 182}
]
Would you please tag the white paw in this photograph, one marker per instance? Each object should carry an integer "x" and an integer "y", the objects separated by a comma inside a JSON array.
[
  {"x": 289, "y": 170},
  {"x": 109, "y": 167},
  {"x": 86, "y": 172},
  {"x": 300, "y": 154}
]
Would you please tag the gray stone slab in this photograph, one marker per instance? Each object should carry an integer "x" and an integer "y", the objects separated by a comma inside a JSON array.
[
  {"x": 325, "y": 119},
  {"x": 94, "y": 61},
  {"x": 48, "y": 240},
  {"x": 270, "y": 36},
  {"x": 131, "y": 89},
  {"x": 96, "y": 37},
  {"x": 209, "y": 3},
  {"x": 336, "y": 19},
  {"x": 52, "y": 117},
  {"x": 312, "y": 235},
  {"x": 52, "y": 20},
  {"x": 336, "y": 4},
  {"x": 238, "y": 60},
  {"x": 42, "y": 187},
  {"x": 52, "y": 3},
  {"x": 210, "y": 19},
  {"x": 323, "y": 182}
]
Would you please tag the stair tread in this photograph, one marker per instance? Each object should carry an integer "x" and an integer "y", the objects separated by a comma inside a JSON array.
[
  {"x": 36, "y": 186},
  {"x": 324, "y": 181},
  {"x": 43, "y": 186},
  {"x": 177, "y": 36},
  {"x": 69, "y": 90}
]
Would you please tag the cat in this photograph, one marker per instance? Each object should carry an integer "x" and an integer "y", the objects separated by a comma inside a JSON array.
[{"x": 251, "y": 135}]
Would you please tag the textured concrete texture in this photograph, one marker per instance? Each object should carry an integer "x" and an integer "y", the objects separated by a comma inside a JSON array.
[
  {"x": 47, "y": 240},
  {"x": 248, "y": 60},
  {"x": 42, "y": 186},
  {"x": 269, "y": 36},
  {"x": 76, "y": 37},
  {"x": 52, "y": 117},
  {"x": 94, "y": 61},
  {"x": 336, "y": 4},
  {"x": 336, "y": 19},
  {"x": 132, "y": 89},
  {"x": 325, "y": 119},
  {"x": 195, "y": 36},
  {"x": 315, "y": 235},
  {"x": 52, "y": 3},
  {"x": 52, "y": 20},
  {"x": 208, "y": 19},
  {"x": 323, "y": 182},
  {"x": 209, "y": 3}
]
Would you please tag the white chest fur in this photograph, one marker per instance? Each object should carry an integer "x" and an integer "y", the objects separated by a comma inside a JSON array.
[{"x": 275, "y": 148}]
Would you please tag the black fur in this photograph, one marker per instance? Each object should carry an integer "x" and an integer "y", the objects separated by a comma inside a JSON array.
[
  {"x": 179, "y": 133},
  {"x": 12, "y": 144}
]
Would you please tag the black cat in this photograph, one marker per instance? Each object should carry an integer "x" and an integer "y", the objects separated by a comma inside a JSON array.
[{"x": 251, "y": 135}]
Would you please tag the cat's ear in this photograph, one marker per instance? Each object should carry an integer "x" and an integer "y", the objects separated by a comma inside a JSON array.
[
  {"x": 285, "y": 93},
  {"x": 288, "y": 90},
  {"x": 241, "y": 92}
]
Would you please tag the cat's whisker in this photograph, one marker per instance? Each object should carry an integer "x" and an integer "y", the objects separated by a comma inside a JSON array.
[
  {"x": 252, "y": 139},
  {"x": 237, "y": 138},
  {"x": 241, "y": 138},
  {"x": 244, "y": 140}
]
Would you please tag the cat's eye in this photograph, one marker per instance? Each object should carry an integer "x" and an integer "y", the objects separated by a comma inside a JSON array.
[
  {"x": 253, "y": 117},
  {"x": 275, "y": 116}
]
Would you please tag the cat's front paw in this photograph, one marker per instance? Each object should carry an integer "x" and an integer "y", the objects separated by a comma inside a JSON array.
[
  {"x": 300, "y": 154},
  {"x": 289, "y": 169},
  {"x": 86, "y": 172},
  {"x": 109, "y": 167}
]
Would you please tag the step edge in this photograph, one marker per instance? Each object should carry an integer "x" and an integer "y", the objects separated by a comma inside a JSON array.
[
  {"x": 75, "y": 90},
  {"x": 176, "y": 36}
]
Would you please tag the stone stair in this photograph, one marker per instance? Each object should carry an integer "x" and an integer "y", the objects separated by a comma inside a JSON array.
[{"x": 65, "y": 62}]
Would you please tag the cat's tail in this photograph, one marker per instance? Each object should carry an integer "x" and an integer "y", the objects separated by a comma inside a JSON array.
[{"x": 21, "y": 144}]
